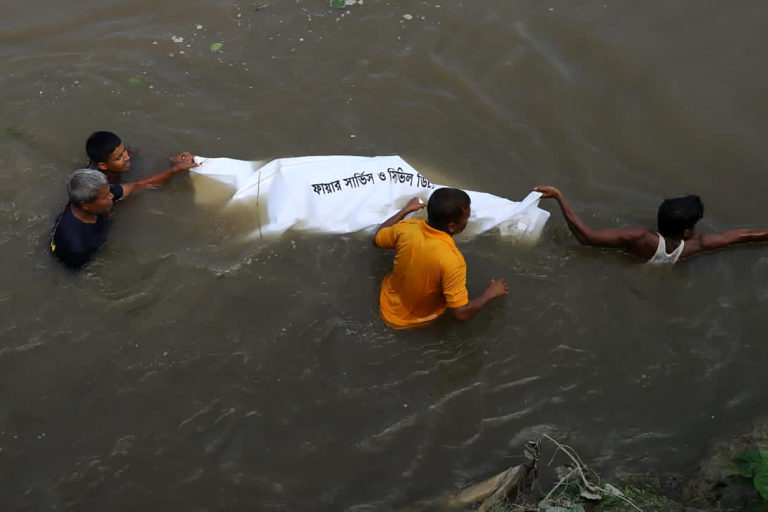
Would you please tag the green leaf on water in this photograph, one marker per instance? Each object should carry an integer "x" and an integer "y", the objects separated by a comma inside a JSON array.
[
  {"x": 761, "y": 482},
  {"x": 134, "y": 81},
  {"x": 13, "y": 130},
  {"x": 754, "y": 464},
  {"x": 216, "y": 47}
]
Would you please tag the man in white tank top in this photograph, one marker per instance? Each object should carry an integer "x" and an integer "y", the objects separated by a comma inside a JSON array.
[{"x": 677, "y": 220}]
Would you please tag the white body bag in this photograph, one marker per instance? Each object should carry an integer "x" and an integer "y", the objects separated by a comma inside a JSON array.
[{"x": 345, "y": 194}]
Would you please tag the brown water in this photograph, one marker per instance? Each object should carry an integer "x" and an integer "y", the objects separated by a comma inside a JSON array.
[{"x": 187, "y": 369}]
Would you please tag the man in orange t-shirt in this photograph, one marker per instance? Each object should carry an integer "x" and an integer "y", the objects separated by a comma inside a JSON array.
[{"x": 429, "y": 273}]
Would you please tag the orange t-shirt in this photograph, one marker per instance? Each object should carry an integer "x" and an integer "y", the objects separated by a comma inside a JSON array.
[{"x": 429, "y": 274}]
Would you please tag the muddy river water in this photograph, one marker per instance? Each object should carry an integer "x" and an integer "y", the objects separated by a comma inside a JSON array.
[{"x": 190, "y": 368}]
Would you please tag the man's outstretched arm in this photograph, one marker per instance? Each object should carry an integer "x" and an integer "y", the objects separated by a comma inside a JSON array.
[
  {"x": 182, "y": 162},
  {"x": 413, "y": 205},
  {"x": 611, "y": 237},
  {"x": 497, "y": 288},
  {"x": 713, "y": 241}
]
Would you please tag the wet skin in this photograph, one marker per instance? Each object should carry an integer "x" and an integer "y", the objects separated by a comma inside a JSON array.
[{"x": 119, "y": 161}]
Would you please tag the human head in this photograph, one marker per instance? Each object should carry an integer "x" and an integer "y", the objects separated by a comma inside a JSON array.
[
  {"x": 448, "y": 210},
  {"x": 678, "y": 216},
  {"x": 106, "y": 150},
  {"x": 89, "y": 190}
]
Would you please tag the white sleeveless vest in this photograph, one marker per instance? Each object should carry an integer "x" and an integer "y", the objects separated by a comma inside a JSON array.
[{"x": 661, "y": 257}]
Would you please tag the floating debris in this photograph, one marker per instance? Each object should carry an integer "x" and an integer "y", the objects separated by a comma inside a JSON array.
[
  {"x": 216, "y": 47},
  {"x": 13, "y": 130},
  {"x": 134, "y": 81}
]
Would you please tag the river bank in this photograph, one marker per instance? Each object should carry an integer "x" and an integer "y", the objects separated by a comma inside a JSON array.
[{"x": 712, "y": 487}]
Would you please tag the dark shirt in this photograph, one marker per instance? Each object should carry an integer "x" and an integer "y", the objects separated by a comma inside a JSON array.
[{"x": 74, "y": 241}]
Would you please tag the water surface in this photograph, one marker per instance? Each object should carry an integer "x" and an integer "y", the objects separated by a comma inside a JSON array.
[{"x": 191, "y": 369}]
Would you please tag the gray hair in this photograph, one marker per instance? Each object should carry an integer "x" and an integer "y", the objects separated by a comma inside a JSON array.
[{"x": 84, "y": 185}]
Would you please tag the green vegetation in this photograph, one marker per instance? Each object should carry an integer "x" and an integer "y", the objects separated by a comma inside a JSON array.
[{"x": 752, "y": 467}]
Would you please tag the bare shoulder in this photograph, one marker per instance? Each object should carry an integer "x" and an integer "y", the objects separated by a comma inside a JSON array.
[
  {"x": 693, "y": 245},
  {"x": 642, "y": 234},
  {"x": 642, "y": 241},
  {"x": 638, "y": 236}
]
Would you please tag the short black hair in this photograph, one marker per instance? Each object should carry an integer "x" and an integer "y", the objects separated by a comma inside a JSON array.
[
  {"x": 446, "y": 205},
  {"x": 100, "y": 145},
  {"x": 678, "y": 214}
]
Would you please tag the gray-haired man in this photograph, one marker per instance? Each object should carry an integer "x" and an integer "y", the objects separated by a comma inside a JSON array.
[{"x": 81, "y": 229}]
